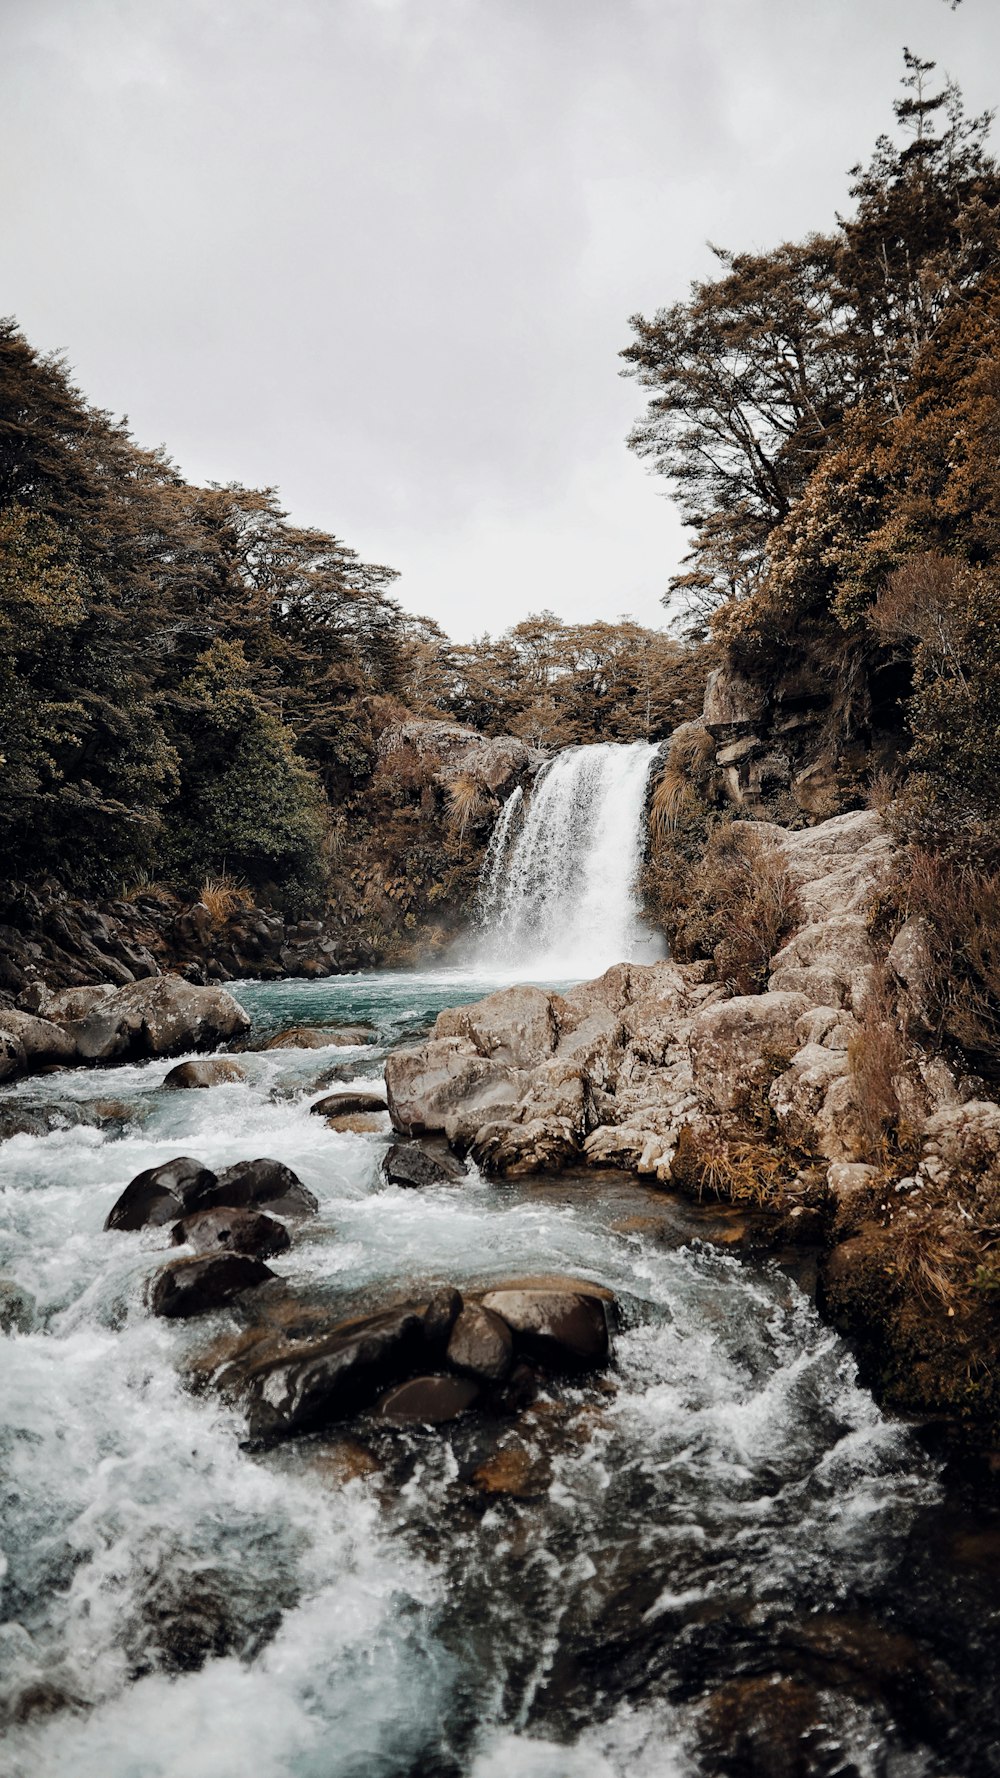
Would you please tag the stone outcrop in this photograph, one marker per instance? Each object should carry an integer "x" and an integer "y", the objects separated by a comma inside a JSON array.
[
  {"x": 160, "y": 1016},
  {"x": 797, "y": 734},
  {"x": 613, "y": 1071},
  {"x": 499, "y": 762}
]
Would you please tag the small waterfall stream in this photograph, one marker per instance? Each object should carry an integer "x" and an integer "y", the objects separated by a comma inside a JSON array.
[{"x": 559, "y": 890}]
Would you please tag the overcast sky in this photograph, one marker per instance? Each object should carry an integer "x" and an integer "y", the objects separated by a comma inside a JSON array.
[{"x": 382, "y": 253}]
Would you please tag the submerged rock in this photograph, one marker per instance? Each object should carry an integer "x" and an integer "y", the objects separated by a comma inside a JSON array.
[
  {"x": 242, "y": 1231},
  {"x": 428, "y": 1401},
  {"x": 214, "y": 1071},
  {"x": 193, "y": 1286},
  {"x": 410, "y": 1165},
  {"x": 308, "y": 1037},
  {"x": 160, "y": 1194}
]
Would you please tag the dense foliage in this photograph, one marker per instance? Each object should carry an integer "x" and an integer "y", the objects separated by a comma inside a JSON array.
[
  {"x": 192, "y": 686},
  {"x": 828, "y": 415}
]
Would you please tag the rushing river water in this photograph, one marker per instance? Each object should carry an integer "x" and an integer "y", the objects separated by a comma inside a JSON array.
[{"x": 721, "y": 1559}]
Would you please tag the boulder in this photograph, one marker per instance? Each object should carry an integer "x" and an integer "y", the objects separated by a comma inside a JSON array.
[
  {"x": 319, "y": 1381},
  {"x": 445, "y": 1086},
  {"x": 76, "y": 1003},
  {"x": 160, "y": 1194},
  {"x": 308, "y": 1037},
  {"x": 358, "y": 1123},
  {"x": 258, "y": 1185},
  {"x": 241, "y": 1231},
  {"x": 481, "y": 1344},
  {"x": 409, "y": 1165},
  {"x": 564, "y": 1330},
  {"x": 440, "y": 1316},
  {"x": 343, "y": 1104},
  {"x": 13, "y": 1060},
  {"x": 214, "y": 1071},
  {"x": 911, "y": 959},
  {"x": 159, "y": 1016},
  {"x": 735, "y": 1045},
  {"x": 428, "y": 1401},
  {"x": 40, "y": 1042},
  {"x": 194, "y": 1286}
]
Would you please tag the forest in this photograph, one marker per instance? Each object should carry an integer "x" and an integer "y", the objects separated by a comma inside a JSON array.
[{"x": 192, "y": 687}]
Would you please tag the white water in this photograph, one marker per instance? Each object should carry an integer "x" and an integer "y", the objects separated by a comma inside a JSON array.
[
  {"x": 399, "y": 1623},
  {"x": 559, "y": 895}
]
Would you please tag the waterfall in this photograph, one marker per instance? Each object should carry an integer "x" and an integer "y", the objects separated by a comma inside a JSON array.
[{"x": 558, "y": 893}]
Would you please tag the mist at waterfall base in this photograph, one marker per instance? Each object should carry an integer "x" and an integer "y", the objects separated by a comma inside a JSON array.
[{"x": 559, "y": 895}]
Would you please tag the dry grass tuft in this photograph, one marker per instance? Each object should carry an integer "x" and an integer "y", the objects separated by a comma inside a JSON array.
[
  {"x": 467, "y": 801},
  {"x": 224, "y": 896},
  {"x": 738, "y": 1169},
  {"x": 881, "y": 1070}
]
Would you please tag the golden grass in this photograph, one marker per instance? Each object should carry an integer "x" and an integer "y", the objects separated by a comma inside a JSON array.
[{"x": 224, "y": 896}]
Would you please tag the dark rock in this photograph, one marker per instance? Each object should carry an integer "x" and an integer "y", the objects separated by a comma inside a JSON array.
[
  {"x": 258, "y": 1185},
  {"x": 213, "y": 1072},
  {"x": 193, "y": 1286},
  {"x": 428, "y": 1401},
  {"x": 407, "y": 1164},
  {"x": 345, "y": 1104},
  {"x": 481, "y": 1344},
  {"x": 440, "y": 1316},
  {"x": 326, "y": 1379},
  {"x": 161, "y": 1194},
  {"x": 241, "y": 1231},
  {"x": 17, "y": 1307},
  {"x": 561, "y": 1329}
]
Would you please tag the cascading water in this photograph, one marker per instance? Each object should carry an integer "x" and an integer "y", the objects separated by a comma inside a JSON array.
[{"x": 559, "y": 890}]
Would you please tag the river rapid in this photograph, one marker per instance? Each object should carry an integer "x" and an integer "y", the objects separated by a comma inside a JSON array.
[{"x": 722, "y": 1558}]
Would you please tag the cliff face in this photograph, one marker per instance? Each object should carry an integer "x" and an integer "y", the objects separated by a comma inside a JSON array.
[
  {"x": 802, "y": 737},
  {"x": 406, "y": 857}
]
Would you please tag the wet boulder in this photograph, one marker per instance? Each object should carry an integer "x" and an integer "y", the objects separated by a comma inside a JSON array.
[
  {"x": 349, "y": 1104},
  {"x": 241, "y": 1231},
  {"x": 194, "y": 1286},
  {"x": 408, "y": 1164},
  {"x": 158, "y": 1016},
  {"x": 161, "y": 1194},
  {"x": 319, "y": 1381},
  {"x": 258, "y": 1185},
  {"x": 440, "y": 1316},
  {"x": 214, "y": 1071},
  {"x": 428, "y": 1401},
  {"x": 481, "y": 1344},
  {"x": 564, "y": 1330}
]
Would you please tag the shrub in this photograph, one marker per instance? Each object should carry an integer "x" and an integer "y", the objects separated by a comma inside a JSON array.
[{"x": 224, "y": 896}]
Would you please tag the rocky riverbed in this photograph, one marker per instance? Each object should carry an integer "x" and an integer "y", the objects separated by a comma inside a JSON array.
[{"x": 703, "y": 1550}]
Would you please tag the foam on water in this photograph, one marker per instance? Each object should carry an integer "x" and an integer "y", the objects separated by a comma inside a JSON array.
[{"x": 738, "y": 1468}]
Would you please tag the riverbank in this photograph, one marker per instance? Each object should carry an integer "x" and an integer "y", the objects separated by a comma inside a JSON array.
[
  {"x": 778, "y": 1099},
  {"x": 717, "y": 1551}
]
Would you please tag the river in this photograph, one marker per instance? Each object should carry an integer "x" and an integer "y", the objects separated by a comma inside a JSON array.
[{"x": 726, "y": 1531}]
